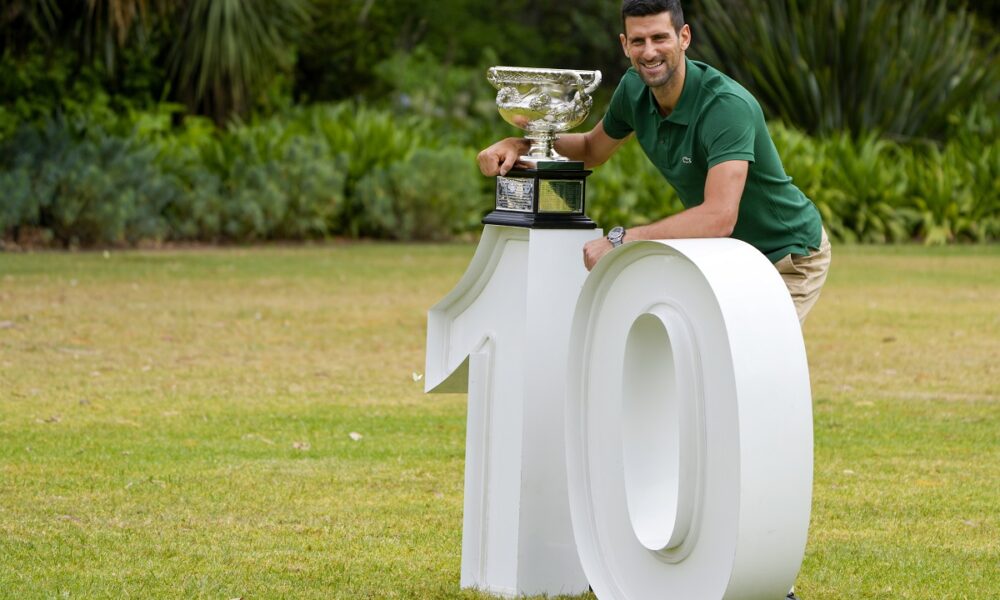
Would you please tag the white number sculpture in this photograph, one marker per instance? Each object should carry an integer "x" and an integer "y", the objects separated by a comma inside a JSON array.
[
  {"x": 684, "y": 451},
  {"x": 501, "y": 334}
]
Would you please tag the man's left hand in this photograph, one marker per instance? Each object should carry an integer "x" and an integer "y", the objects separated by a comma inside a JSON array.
[{"x": 594, "y": 250}]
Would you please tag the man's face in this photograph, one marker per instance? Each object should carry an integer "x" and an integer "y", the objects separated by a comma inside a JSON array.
[{"x": 654, "y": 47}]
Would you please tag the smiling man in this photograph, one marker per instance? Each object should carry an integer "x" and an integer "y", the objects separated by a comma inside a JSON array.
[{"x": 706, "y": 134}]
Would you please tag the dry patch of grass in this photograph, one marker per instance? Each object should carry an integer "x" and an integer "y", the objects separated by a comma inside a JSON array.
[
  {"x": 904, "y": 349},
  {"x": 245, "y": 423}
]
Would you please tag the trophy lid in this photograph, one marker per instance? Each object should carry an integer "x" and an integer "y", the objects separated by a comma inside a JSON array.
[{"x": 585, "y": 80}]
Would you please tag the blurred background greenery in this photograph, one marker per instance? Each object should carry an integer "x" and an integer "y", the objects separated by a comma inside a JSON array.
[{"x": 129, "y": 122}]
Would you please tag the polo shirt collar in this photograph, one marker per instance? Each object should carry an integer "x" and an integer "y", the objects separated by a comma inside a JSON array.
[{"x": 689, "y": 95}]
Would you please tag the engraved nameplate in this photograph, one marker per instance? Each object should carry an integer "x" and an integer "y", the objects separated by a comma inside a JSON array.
[{"x": 515, "y": 193}]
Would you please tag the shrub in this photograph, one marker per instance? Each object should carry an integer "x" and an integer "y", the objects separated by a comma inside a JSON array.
[
  {"x": 367, "y": 140},
  {"x": 343, "y": 170},
  {"x": 430, "y": 196},
  {"x": 872, "y": 190},
  {"x": 84, "y": 186},
  {"x": 956, "y": 197},
  {"x": 900, "y": 68},
  {"x": 269, "y": 180}
]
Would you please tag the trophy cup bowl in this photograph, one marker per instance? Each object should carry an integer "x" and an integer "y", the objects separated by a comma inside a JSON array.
[{"x": 543, "y": 102}]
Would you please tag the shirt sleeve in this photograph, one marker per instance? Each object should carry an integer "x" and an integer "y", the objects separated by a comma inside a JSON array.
[
  {"x": 618, "y": 120},
  {"x": 727, "y": 131}
]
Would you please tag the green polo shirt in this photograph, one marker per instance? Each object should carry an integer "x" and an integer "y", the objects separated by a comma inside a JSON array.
[{"x": 717, "y": 120}]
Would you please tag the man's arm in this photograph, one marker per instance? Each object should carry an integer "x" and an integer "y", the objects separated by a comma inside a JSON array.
[
  {"x": 715, "y": 217},
  {"x": 594, "y": 148}
]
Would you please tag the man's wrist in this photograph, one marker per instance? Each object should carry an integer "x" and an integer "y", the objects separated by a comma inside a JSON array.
[
  {"x": 523, "y": 145},
  {"x": 616, "y": 236}
]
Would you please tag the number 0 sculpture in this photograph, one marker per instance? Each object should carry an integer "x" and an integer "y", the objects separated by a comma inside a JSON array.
[{"x": 688, "y": 424}]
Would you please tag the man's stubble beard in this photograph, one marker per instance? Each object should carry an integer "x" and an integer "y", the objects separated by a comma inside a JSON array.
[{"x": 667, "y": 78}]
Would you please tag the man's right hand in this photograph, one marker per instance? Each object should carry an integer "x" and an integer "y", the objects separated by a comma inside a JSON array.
[{"x": 501, "y": 156}]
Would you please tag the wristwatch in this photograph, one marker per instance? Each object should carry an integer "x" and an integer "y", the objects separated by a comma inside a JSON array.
[{"x": 616, "y": 236}]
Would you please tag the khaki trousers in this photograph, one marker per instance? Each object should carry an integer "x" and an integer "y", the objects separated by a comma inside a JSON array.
[{"x": 804, "y": 276}]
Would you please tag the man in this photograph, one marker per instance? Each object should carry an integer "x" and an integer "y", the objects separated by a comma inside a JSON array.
[{"x": 706, "y": 134}]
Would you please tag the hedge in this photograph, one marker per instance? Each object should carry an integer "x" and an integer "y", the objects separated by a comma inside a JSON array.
[{"x": 348, "y": 170}]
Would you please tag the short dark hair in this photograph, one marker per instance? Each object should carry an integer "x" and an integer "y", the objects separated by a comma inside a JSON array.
[{"x": 644, "y": 8}]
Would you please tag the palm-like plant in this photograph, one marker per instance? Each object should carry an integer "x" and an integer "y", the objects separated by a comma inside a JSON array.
[
  {"x": 899, "y": 68},
  {"x": 225, "y": 50},
  {"x": 105, "y": 26},
  {"x": 20, "y": 19}
]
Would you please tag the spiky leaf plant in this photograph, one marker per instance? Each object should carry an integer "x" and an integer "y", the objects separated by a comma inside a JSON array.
[
  {"x": 226, "y": 50},
  {"x": 889, "y": 66}
]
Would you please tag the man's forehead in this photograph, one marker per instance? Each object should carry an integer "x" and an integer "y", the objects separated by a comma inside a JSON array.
[{"x": 659, "y": 21}]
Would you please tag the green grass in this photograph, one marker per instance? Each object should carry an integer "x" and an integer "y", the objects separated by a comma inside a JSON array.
[{"x": 176, "y": 425}]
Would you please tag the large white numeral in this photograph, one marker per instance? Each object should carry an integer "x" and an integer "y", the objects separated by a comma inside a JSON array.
[
  {"x": 501, "y": 334},
  {"x": 689, "y": 424}
]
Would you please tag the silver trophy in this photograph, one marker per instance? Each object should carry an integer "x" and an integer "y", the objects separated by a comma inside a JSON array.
[
  {"x": 543, "y": 102},
  {"x": 550, "y": 192}
]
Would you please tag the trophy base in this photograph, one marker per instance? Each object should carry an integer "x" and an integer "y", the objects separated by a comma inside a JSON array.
[
  {"x": 547, "y": 164},
  {"x": 538, "y": 220},
  {"x": 548, "y": 197}
]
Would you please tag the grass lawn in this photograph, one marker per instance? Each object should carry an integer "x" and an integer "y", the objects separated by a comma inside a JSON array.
[{"x": 183, "y": 424}]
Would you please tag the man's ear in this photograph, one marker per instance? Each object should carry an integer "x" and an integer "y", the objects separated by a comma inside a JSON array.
[
  {"x": 685, "y": 36},
  {"x": 624, "y": 41}
]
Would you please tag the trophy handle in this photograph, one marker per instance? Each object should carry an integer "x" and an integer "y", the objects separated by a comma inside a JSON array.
[
  {"x": 593, "y": 85},
  {"x": 493, "y": 77}
]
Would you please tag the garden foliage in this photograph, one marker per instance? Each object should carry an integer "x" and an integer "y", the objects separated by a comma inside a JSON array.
[
  {"x": 898, "y": 102},
  {"x": 868, "y": 189},
  {"x": 349, "y": 170},
  {"x": 83, "y": 187},
  {"x": 310, "y": 174},
  {"x": 825, "y": 66}
]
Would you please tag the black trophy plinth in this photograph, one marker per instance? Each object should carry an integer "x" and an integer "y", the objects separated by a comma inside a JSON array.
[{"x": 550, "y": 196}]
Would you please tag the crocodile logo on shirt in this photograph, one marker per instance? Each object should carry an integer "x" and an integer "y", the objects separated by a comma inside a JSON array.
[{"x": 686, "y": 160}]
